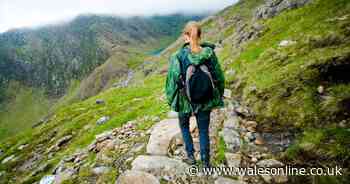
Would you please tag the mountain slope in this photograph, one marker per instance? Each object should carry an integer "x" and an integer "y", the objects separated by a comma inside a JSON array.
[
  {"x": 51, "y": 56},
  {"x": 55, "y": 59},
  {"x": 275, "y": 63}
]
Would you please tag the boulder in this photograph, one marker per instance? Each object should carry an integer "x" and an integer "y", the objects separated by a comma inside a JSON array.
[
  {"x": 159, "y": 165},
  {"x": 232, "y": 139},
  {"x": 274, "y": 7},
  {"x": 136, "y": 177},
  {"x": 161, "y": 135}
]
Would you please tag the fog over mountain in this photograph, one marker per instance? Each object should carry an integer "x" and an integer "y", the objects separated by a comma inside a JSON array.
[{"x": 21, "y": 13}]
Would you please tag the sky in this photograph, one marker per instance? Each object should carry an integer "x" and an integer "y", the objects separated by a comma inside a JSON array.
[{"x": 31, "y": 13}]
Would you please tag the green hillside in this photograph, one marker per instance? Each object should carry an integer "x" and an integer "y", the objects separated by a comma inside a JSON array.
[
  {"x": 288, "y": 67},
  {"x": 49, "y": 63}
]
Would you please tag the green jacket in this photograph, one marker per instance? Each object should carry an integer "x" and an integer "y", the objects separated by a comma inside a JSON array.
[{"x": 177, "y": 101}]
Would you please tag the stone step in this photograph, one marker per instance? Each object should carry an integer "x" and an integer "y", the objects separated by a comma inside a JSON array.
[
  {"x": 161, "y": 135},
  {"x": 159, "y": 165},
  {"x": 136, "y": 177}
]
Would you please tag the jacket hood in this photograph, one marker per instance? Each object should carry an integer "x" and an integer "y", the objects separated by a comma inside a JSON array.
[
  {"x": 203, "y": 44},
  {"x": 206, "y": 53}
]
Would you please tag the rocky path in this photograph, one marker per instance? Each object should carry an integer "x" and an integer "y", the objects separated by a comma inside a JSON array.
[
  {"x": 155, "y": 156},
  {"x": 165, "y": 151}
]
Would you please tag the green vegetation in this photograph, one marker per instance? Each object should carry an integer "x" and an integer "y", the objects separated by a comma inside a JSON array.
[
  {"x": 303, "y": 86},
  {"x": 281, "y": 83},
  {"x": 121, "y": 105},
  {"x": 286, "y": 78},
  {"x": 27, "y": 108}
]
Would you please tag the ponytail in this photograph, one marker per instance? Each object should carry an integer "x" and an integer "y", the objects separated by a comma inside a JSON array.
[{"x": 193, "y": 30}]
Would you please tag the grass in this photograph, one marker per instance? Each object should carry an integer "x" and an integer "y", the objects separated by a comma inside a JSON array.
[
  {"x": 27, "y": 107},
  {"x": 286, "y": 78},
  {"x": 120, "y": 105},
  {"x": 285, "y": 81}
]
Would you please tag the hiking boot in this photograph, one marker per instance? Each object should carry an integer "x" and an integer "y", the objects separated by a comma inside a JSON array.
[{"x": 190, "y": 160}]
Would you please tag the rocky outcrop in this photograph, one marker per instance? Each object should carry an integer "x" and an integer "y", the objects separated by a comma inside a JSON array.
[{"x": 272, "y": 8}]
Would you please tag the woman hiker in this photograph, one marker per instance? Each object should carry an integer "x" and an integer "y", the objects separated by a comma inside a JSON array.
[{"x": 195, "y": 86}]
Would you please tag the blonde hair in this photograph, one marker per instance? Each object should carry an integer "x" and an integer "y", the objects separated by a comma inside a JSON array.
[{"x": 193, "y": 31}]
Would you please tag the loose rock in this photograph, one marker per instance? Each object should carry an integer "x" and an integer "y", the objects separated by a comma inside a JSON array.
[
  {"x": 8, "y": 159},
  {"x": 100, "y": 170},
  {"x": 100, "y": 101},
  {"x": 49, "y": 179},
  {"x": 270, "y": 163},
  {"x": 227, "y": 93},
  {"x": 233, "y": 159},
  {"x": 102, "y": 120}
]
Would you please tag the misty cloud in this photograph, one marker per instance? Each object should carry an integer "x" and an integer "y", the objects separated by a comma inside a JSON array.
[{"x": 24, "y": 13}]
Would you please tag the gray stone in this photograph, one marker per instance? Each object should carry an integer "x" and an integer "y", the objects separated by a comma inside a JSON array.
[
  {"x": 63, "y": 140},
  {"x": 102, "y": 120},
  {"x": 21, "y": 147},
  {"x": 267, "y": 178},
  {"x": 270, "y": 163},
  {"x": 223, "y": 180},
  {"x": 232, "y": 123},
  {"x": 227, "y": 93},
  {"x": 285, "y": 43},
  {"x": 65, "y": 175},
  {"x": 100, "y": 101},
  {"x": 8, "y": 159},
  {"x": 280, "y": 179},
  {"x": 161, "y": 135},
  {"x": 233, "y": 159},
  {"x": 137, "y": 147},
  {"x": 100, "y": 170},
  {"x": 230, "y": 73},
  {"x": 232, "y": 139},
  {"x": 242, "y": 111},
  {"x": 48, "y": 179},
  {"x": 105, "y": 135},
  {"x": 159, "y": 165},
  {"x": 136, "y": 177},
  {"x": 274, "y": 7},
  {"x": 249, "y": 137}
]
